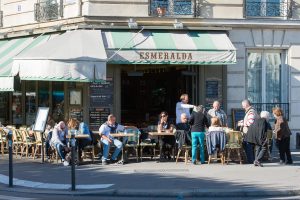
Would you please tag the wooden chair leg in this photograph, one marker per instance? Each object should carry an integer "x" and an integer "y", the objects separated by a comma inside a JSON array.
[
  {"x": 228, "y": 155},
  {"x": 239, "y": 155},
  {"x": 137, "y": 154},
  {"x": 186, "y": 153},
  {"x": 141, "y": 153},
  {"x": 93, "y": 155},
  {"x": 179, "y": 150},
  {"x": 209, "y": 159}
]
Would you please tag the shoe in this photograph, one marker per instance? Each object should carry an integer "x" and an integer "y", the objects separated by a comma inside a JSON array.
[
  {"x": 104, "y": 162},
  {"x": 116, "y": 162},
  {"x": 194, "y": 162},
  {"x": 257, "y": 163},
  {"x": 289, "y": 162},
  {"x": 66, "y": 163},
  {"x": 282, "y": 162}
]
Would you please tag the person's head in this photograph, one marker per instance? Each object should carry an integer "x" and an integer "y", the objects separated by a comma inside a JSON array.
[
  {"x": 184, "y": 98},
  {"x": 111, "y": 119},
  {"x": 183, "y": 118},
  {"x": 216, "y": 105},
  {"x": 61, "y": 125},
  {"x": 265, "y": 114},
  {"x": 246, "y": 104},
  {"x": 72, "y": 123},
  {"x": 277, "y": 112},
  {"x": 215, "y": 122},
  {"x": 163, "y": 115},
  {"x": 199, "y": 108}
]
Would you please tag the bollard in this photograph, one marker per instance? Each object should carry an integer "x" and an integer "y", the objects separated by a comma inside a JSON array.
[
  {"x": 73, "y": 160},
  {"x": 10, "y": 152}
]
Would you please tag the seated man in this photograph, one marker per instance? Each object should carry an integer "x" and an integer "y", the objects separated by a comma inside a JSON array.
[
  {"x": 184, "y": 126},
  {"x": 107, "y": 139},
  {"x": 59, "y": 141}
]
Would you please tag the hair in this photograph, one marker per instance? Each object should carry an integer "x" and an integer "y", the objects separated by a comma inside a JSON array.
[
  {"x": 183, "y": 96},
  {"x": 277, "y": 111},
  {"x": 183, "y": 115},
  {"x": 60, "y": 124},
  {"x": 215, "y": 122},
  {"x": 163, "y": 113},
  {"x": 199, "y": 108},
  {"x": 110, "y": 117},
  {"x": 216, "y": 102},
  {"x": 265, "y": 114},
  {"x": 72, "y": 123},
  {"x": 247, "y": 102}
]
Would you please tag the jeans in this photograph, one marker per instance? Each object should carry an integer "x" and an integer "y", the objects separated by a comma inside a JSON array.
[
  {"x": 248, "y": 147},
  {"x": 198, "y": 136},
  {"x": 106, "y": 146},
  {"x": 284, "y": 150},
  {"x": 60, "y": 149},
  {"x": 260, "y": 151}
]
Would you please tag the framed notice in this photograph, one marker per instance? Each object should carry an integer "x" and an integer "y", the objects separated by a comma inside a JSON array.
[
  {"x": 41, "y": 119},
  {"x": 237, "y": 115},
  {"x": 75, "y": 97}
]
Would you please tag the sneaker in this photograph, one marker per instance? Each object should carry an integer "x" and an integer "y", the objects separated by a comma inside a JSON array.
[
  {"x": 289, "y": 162},
  {"x": 66, "y": 163},
  {"x": 194, "y": 162},
  {"x": 116, "y": 162},
  {"x": 104, "y": 162},
  {"x": 257, "y": 163},
  {"x": 282, "y": 162}
]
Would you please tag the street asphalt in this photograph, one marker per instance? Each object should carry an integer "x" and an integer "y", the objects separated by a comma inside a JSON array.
[{"x": 152, "y": 179}]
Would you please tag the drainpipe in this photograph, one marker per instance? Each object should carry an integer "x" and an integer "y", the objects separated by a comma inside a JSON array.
[{"x": 79, "y": 11}]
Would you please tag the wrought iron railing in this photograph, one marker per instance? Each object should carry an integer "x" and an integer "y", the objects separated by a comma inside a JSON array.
[
  {"x": 259, "y": 8},
  {"x": 269, "y": 106},
  {"x": 171, "y": 8},
  {"x": 48, "y": 10}
]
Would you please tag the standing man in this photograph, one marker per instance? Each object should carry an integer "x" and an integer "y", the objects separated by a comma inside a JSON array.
[
  {"x": 219, "y": 113},
  {"x": 183, "y": 107},
  {"x": 107, "y": 139},
  {"x": 250, "y": 117}
]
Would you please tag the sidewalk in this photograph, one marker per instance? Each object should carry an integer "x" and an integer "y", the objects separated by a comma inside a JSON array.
[{"x": 156, "y": 179}]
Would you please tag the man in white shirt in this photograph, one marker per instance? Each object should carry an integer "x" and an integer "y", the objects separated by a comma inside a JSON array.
[
  {"x": 105, "y": 129},
  {"x": 183, "y": 107}
]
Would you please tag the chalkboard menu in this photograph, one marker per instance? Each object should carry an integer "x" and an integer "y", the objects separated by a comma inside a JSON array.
[
  {"x": 101, "y": 94},
  {"x": 97, "y": 117},
  {"x": 237, "y": 115},
  {"x": 76, "y": 113},
  {"x": 212, "y": 89}
]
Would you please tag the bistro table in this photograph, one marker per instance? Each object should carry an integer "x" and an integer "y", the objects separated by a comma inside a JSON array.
[
  {"x": 79, "y": 137},
  {"x": 120, "y": 135},
  {"x": 159, "y": 134}
]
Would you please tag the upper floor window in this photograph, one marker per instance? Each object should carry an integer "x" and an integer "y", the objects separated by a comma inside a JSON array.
[
  {"x": 171, "y": 7},
  {"x": 267, "y": 8},
  {"x": 47, "y": 10}
]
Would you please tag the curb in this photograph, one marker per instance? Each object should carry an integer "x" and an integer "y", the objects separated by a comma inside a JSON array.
[{"x": 161, "y": 193}]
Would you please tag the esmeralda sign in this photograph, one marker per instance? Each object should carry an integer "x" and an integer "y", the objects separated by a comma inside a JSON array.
[{"x": 169, "y": 56}]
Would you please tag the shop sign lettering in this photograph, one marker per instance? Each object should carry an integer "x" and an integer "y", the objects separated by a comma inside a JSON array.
[{"x": 176, "y": 56}]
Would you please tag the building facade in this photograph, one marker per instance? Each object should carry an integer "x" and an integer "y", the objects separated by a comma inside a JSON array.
[{"x": 265, "y": 68}]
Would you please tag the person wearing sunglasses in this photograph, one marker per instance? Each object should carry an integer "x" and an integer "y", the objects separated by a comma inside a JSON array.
[{"x": 166, "y": 143}]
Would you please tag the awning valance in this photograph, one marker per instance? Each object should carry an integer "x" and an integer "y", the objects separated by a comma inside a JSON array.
[
  {"x": 8, "y": 50},
  {"x": 72, "y": 56},
  {"x": 169, "y": 47}
]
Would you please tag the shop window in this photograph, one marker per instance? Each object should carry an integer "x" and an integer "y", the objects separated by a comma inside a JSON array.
[
  {"x": 17, "y": 108},
  {"x": 267, "y": 76},
  {"x": 4, "y": 109},
  {"x": 43, "y": 98},
  {"x": 58, "y": 97},
  {"x": 30, "y": 102}
]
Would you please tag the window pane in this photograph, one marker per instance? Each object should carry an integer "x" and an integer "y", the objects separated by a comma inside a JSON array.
[
  {"x": 58, "y": 97},
  {"x": 17, "y": 107},
  {"x": 273, "y": 82},
  {"x": 44, "y": 94},
  {"x": 254, "y": 77},
  {"x": 4, "y": 109},
  {"x": 30, "y": 107}
]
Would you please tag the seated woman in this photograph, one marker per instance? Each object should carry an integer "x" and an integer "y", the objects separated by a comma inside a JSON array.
[
  {"x": 215, "y": 137},
  {"x": 59, "y": 141},
  {"x": 166, "y": 143}
]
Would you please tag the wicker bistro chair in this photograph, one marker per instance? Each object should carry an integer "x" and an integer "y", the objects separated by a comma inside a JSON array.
[
  {"x": 3, "y": 141},
  {"x": 17, "y": 142},
  {"x": 184, "y": 147},
  {"x": 38, "y": 143},
  {"x": 147, "y": 142},
  {"x": 234, "y": 143},
  {"x": 27, "y": 144},
  {"x": 133, "y": 141}
]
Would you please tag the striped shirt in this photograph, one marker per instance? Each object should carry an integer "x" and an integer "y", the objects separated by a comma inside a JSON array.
[{"x": 250, "y": 117}]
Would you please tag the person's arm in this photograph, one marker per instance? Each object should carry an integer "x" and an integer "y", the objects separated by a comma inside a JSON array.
[
  {"x": 191, "y": 120},
  {"x": 183, "y": 105},
  {"x": 250, "y": 119},
  {"x": 102, "y": 134},
  {"x": 205, "y": 120},
  {"x": 120, "y": 128},
  {"x": 160, "y": 126},
  {"x": 55, "y": 137}
]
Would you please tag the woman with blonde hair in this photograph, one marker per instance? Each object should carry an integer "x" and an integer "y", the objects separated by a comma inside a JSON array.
[
  {"x": 282, "y": 135},
  {"x": 73, "y": 124}
]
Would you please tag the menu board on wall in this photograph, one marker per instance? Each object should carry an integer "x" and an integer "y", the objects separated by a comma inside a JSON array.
[
  {"x": 212, "y": 89},
  {"x": 97, "y": 117},
  {"x": 76, "y": 113},
  {"x": 101, "y": 94}
]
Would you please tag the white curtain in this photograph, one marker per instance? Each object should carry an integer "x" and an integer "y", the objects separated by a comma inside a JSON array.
[
  {"x": 273, "y": 79},
  {"x": 255, "y": 77}
]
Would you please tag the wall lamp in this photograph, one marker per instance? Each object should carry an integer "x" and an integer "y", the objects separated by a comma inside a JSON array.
[
  {"x": 177, "y": 24},
  {"x": 132, "y": 23}
]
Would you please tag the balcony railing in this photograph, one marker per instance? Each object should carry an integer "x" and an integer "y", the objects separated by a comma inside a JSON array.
[
  {"x": 49, "y": 10},
  {"x": 269, "y": 106},
  {"x": 267, "y": 8},
  {"x": 171, "y": 8}
]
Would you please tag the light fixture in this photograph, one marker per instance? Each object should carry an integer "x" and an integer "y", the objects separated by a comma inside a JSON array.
[
  {"x": 177, "y": 24},
  {"x": 132, "y": 23}
]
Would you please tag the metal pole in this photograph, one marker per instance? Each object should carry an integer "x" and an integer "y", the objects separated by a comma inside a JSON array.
[
  {"x": 73, "y": 160},
  {"x": 10, "y": 152},
  {"x": 43, "y": 152}
]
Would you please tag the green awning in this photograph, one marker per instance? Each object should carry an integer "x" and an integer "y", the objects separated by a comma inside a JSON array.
[
  {"x": 169, "y": 47},
  {"x": 8, "y": 50}
]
